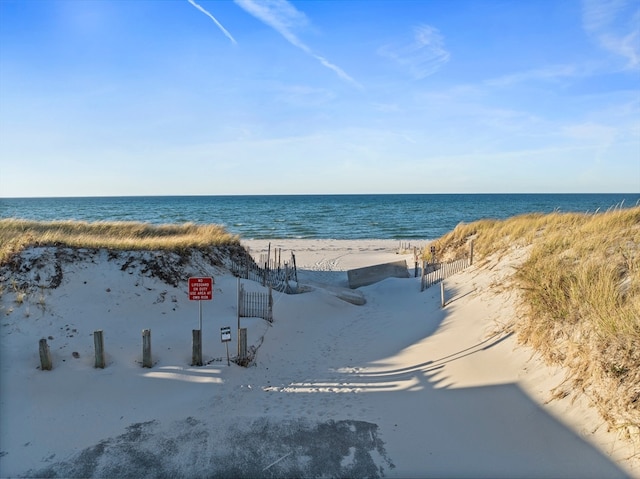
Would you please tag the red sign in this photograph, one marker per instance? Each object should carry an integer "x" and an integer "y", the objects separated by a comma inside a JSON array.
[{"x": 200, "y": 289}]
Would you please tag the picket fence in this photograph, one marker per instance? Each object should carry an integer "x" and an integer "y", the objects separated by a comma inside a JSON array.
[
  {"x": 269, "y": 270},
  {"x": 433, "y": 273},
  {"x": 254, "y": 304}
]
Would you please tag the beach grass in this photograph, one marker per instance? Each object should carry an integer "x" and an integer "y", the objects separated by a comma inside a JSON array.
[
  {"x": 580, "y": 290},
  {"x": 17, "y": 234},
  {"x": 580, "y": 285}
]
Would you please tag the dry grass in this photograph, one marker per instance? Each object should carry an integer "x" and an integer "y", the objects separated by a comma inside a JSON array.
[
  {"x": 17, "y": 234},
  {"x": 581, "y": 292}
]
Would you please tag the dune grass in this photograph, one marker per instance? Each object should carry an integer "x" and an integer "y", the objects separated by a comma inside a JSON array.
[
  {"x": 580, "y": 286},
  {"x": 580, "y": 290},
  {"x": 17, "y": 234}
]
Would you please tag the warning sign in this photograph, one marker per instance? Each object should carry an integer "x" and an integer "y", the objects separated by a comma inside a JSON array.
[{"x": 200, "y": 289}]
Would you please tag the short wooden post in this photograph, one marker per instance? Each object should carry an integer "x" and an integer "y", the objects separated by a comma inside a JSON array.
[
  {"x": 98, "y": 341},
  {"x": 238, "y": 311},
  {"x": 45, "y": 356},
  {"x": 442, "y": 303},
  {"x": 242, "y": 344},
  {"x": 295, "y": 268},
  {"x": 146, "y": 349},
  {"x": 269, "y": 257},
  {"x": 471, "y": 253},
  {"x": 196, "y": 356}
]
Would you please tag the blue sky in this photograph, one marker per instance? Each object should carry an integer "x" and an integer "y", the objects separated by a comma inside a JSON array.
[{"x": 210, "y": 97}]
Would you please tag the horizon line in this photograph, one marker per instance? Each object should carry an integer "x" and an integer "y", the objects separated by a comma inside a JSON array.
[{"x": 312, "y": 194}]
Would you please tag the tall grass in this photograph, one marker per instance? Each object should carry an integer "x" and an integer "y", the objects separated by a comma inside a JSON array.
[
  {"x": 580, "y": 288},
  {"x": 16, "y": 234}
]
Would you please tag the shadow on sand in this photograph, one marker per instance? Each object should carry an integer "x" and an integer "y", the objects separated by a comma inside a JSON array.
[{"x": 488, "y": 431}]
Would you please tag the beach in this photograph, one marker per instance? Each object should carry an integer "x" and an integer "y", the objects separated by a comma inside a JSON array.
[{"x": 399, "y": 386}]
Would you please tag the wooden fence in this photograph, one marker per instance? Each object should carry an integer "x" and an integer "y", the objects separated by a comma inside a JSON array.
[
  {"x": 269, "y": 270},
  {"x": 253, "y": 304},
  {"x": 433, "y": 273}
]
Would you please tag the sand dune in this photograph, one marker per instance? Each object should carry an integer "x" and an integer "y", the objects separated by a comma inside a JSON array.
[{"x": 396, "y": 387}]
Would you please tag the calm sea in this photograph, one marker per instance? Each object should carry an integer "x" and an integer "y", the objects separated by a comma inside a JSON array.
[{"x": 314, "y": 216}]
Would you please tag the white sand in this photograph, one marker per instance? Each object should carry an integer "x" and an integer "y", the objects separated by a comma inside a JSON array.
[{"x": 434, "y": 392}]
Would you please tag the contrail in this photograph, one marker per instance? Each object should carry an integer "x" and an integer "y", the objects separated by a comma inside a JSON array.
[
  {"x": 224, "y": 30},
  {"x": 283, "y": 17}
]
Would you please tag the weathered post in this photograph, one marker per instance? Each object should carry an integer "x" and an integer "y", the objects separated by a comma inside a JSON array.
[
  {"x": 196, "y": 355},
  {"x": 295, "y": 268},
  {"x": 146, "y": 349},
  {"x": 442, "y": 303},
  {"x": 471, "y": 253},
  {"x": 242, "y": 345},
  {"x": 264, "y": 277},
  {"x": 98, "y": 341},
  {"x": 269, "y": 256},
  {"x": 267, "y": 266},
  {"x": 238, "y": 309},
  {"x": 45, "y": 356}
]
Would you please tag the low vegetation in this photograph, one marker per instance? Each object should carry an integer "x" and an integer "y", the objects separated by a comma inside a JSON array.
[
  {"x": 580, "y": 290},
  {"x": 17, "y": 234},
  {"x": 580, "y": 286}
]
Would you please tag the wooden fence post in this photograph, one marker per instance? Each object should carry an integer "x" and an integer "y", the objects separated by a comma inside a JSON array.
[
  {"x": 98, "y": 341},
  {"x": 146, "y": 349},
  {"x": 471, "y": 253},
  {"x": 239, "y": 288},
  {"x": 442, "y": 303},
  {"x": 264, "y": 277},
  {"x": 196, "y": 355},
  {"x": 295, "y": 268},
  {"x": 242, "y": 345},
  {"x": 45, "y": 356},
  {"x": 269, "y": 256}
]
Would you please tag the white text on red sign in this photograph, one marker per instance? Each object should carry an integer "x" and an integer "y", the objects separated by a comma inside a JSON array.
[{"x": 200, "y": 289}]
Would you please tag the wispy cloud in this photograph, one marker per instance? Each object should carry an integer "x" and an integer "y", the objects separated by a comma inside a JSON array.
[
  {"x": 590, "y": 132},
  {"x": 615, "y": 25},
  {"x": 224, "y": 30},
  {"x": 422, "y": 55},
  {"x": 551, "y": 73},
  {"x": 285, "y": 18},
  {"x": 303, "y": 96}
]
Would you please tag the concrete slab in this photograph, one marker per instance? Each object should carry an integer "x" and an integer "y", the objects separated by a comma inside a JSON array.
[{"x": 372, "y": 274}]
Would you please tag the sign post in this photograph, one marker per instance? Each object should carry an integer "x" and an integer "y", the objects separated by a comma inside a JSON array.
[
  {"x": 225, "y": 336},
  {"x": 200, "y": 289}
]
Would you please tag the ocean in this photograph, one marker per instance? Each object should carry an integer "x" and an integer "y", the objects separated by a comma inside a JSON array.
[{"x": 392, "y": 216}]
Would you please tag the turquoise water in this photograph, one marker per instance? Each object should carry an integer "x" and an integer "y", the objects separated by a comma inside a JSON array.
[{"x": 314, "y": 216}]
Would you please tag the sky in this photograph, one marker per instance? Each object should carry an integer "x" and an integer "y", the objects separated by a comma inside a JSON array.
[{"x": 203, "y": 97}]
